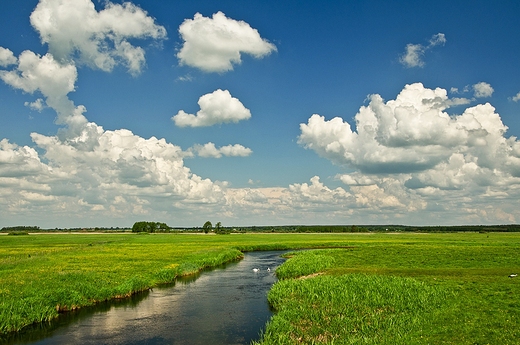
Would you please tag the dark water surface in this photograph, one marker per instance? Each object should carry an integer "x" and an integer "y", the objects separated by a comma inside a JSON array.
[{"x": 223, "y": 306}]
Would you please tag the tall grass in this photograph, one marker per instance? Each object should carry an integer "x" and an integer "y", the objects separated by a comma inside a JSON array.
[
  {"x": 43, "y": 276},
  {"x": 430, "y": 290},
  {"x": 308, "y": 262},
  {"x": 351, "y": 309}
]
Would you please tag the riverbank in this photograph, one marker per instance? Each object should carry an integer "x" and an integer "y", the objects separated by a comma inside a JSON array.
[
  {"x": 448, "y": 290},
  {"x": 42, "y": 275}
]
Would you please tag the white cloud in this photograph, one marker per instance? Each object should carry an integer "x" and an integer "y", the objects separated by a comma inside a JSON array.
[
  {"x": 236, "y": 150},
  {"x": 482, "y": 90},
  {"x": 454, "y": 90},
  {"x": 121, "y": 175},
  {"x": 356, "y": 179},
  {"x": 35, "y": 73},
  {"x": 7, "y": 57},
  {"x": 438, "y": 39},
  {"x": 37, "y": 105},
  {"x": 411, "y": 157},
  {"x": 516, "y": 97},
  {"x": 316, "y": 192},
  {"x": 458, "y": 101},
  {"x": 84, "y": 168},
  {"x": 73, "y": 29},
  {"x": 41, "y": 73},
  {"x": 186, "y": 77},
  {"x": 16, "y": 161},
  {"x": 209, "y": 150},
  {"x": 411, "y": 133},
  {"x": 215, "y": 108},
  {"x": 413, "y": 55},
  {"x": 300, "y": 203},
  {"x": 215, "y": 44}
]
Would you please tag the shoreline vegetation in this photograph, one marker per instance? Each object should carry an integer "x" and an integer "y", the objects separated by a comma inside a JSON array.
[{"x": 415, "y": 288}]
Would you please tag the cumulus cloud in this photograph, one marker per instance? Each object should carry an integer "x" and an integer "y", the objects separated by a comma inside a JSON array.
[
  {"x": 74, "y": 29},
  {"x": 209, "y": 150},
  {"x": 317, "y": 192},
  {"x": 482, "y": 90},
  {"x": 299, "y": 203},
  {"x": 76, "y": 32},
  {"x": 122, "y": 175},
  {"x": 516, "y": 97},
  {"x": 35, "y": 73},
  {"x": 7, "y": 57},
  {"x": 84, "y": 168},
  {"x": 411, "y": 133},
  {"x": 215, "y": 108},
  {"x": 409, "y": 154},
  {"x": 215, "y": 44},
  {"x": 414, "y": 53},
  {"x": 16, "y": 161}
]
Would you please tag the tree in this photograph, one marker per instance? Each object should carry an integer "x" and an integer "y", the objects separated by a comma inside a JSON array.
[
  {"x": 207, "y": 227},
  {"x": 149, "y": 227},
  {"x": 218, "y": 228}
]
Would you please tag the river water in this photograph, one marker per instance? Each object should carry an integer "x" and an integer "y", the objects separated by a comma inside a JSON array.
[{"x": 227, "y": 305}]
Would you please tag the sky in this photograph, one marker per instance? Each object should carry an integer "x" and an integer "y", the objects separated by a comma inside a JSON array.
[{"x": 259, "y": 112}]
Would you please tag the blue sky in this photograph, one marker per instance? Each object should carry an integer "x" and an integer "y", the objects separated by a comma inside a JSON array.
[{"x": 292, "y": 112}]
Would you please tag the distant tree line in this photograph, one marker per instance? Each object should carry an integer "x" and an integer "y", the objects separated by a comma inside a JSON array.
[
  {"x": 20, "y": 228},
  {"x": 331, "y": 228},
  {"x": 377, "y": 228},
  {"x": 219, "y": 229}
]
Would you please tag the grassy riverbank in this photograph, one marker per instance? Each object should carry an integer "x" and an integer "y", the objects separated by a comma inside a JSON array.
[
  {"x": 377, "y": 289},
  {"x": 415, "y": 290},
  {"x": 42, "y": 275}
]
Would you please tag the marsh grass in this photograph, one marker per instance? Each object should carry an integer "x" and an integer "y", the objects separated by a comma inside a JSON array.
[
  {"x": 430, "y": 290},
  {"x": 42, "y": 276},
  {"x": 351, "y": 309},
  {"x": 308, "y": 262}
]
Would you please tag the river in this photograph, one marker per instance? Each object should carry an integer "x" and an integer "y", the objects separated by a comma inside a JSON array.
[{"x": 226, "y": 305}]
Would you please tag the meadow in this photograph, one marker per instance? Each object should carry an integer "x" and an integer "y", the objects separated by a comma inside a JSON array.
[{"x": 357, "y": 289}]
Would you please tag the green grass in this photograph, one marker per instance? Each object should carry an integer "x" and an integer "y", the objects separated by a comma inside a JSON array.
[
  {"x": 376, "y": 289},
  {"x": 351, "y": 309},
  {"x": 42, "y": 275},
  {"x": 424, "y": 289}
]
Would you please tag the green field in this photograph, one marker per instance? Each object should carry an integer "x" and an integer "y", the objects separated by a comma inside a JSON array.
[{"x": 359, "y": 289}]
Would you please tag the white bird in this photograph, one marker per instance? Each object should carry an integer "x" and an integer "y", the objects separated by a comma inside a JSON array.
[
  {"x": 513, "y": 275},
  {"x": 255, "y": 269}
]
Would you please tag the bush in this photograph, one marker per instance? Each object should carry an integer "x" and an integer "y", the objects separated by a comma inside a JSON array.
[{"x": 17, "y": 233}]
